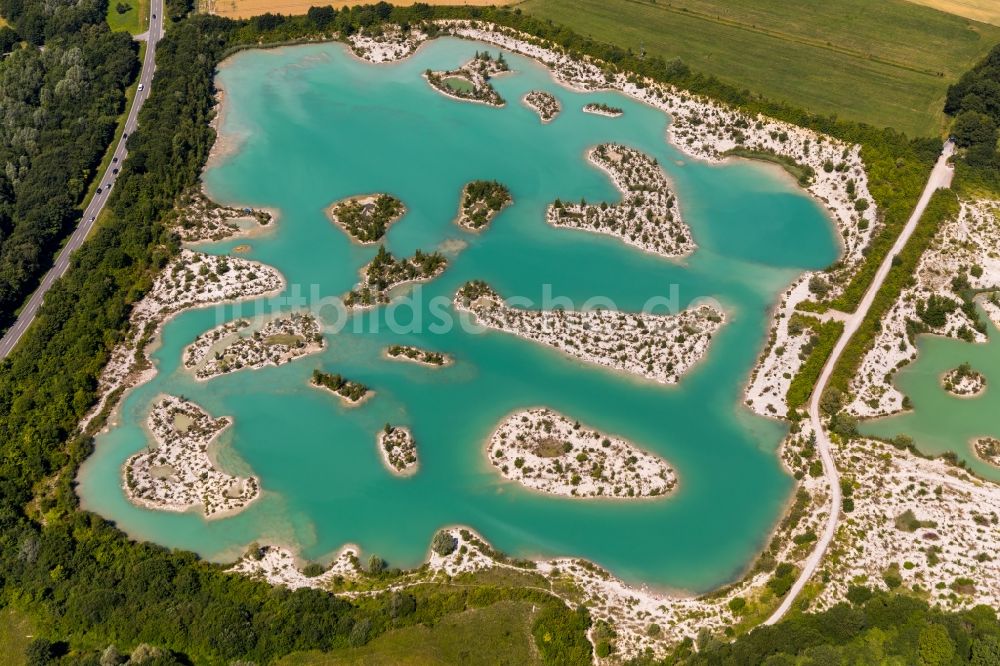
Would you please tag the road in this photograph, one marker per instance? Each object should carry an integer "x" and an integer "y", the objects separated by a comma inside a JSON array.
[
  {"x": 940, "y": 177},
  {"x": 59, "y": 268}
]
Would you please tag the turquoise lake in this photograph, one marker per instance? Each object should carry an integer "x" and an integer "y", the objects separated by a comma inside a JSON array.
[{"x": 319, "y": 125}]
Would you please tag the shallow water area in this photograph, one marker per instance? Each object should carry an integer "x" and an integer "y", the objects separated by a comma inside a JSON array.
[
  {"x": 320, "y": 126},
  {"x": 941, "y": 422}
]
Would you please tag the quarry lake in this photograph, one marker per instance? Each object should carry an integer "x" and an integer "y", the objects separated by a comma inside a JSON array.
[{"x": 310, "y": 125}]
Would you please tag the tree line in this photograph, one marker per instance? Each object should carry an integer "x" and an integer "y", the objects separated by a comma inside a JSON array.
[{"x": 61, "y": 93}]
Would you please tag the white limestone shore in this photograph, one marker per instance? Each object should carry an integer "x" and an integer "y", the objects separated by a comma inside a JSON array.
[
  {"x": 661, "y": 348},
  {"x": 239, "y": 345},
  {"x": 648, "y": 217},
  {"x": 398, "y": 450},
  {"x": 178, "y": 474},
  {"x": 385, "y": 44},
  {"x": 543, "y": 450},
  {"x": 543, "y": 103}
]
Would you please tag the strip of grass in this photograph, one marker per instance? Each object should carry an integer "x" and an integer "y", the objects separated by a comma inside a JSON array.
[
  {"x": 887, "y": 63},
  {"x": 133, "y": 20},
  {"x": 15, "y": 629},
  {"x": 801, "y": 387},
  {"x": 803, "y": 173},
  {"x": 497, "y": 634},
  {"x": 943, "y": 206}
]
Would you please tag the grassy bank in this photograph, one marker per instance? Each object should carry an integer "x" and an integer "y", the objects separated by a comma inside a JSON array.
[
  {"x": 887, "y": 63},
  {"x": 827, "y": 334},
  {"x": 804, "y": 174}
]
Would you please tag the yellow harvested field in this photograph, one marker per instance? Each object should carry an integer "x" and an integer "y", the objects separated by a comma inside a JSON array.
[
  {"x": 987, "y": 11},
  {"x": 247, "y": 8}
]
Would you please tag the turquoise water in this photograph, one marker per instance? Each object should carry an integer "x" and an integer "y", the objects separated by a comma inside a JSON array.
[
  {"x": 321, "y": 126},
  {"x": 940, "y": 421}
]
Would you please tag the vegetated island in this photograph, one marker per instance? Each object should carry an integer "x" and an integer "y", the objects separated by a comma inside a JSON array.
[
  {"x": 178, "y": 473},
  {"x": 417, "y": 355},
  {"x": 482, "y": 200},
  {"x": 963, "y": 381},
  {"x": 543, "y": 103},
  {"x": 657, "y": 347},
  {"x": 987, "y": 449},
  {"x": 648, "y": 216},
  {"x": 471, "y": 81},
  {"x": 350, "y": 392},
  {"x": 386, "y": 272},
  {"x": 199, "y": 219},
  {"x": 366, "y": 218},
  {"x": 543, "y": 450},
  {"x": 602, "y": 109},
  {"x": 235, "y": 346},
  {"x": 398, "y": 450}
]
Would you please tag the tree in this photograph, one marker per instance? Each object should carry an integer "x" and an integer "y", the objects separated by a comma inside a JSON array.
[
  {"x": 322, "y": 17},
  {"x": 8, "y": 39},
  {"x": 972, "y": 127},
  {"x": 40, "y": 651},
  {"x": 934, "y": 646}
]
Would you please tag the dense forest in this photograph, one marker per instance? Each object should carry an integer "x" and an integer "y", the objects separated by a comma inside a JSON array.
[
  {"x": 974, "y": 103},
  {"x": 83, "y": 582},
  {"x": 61, "y": 93}
]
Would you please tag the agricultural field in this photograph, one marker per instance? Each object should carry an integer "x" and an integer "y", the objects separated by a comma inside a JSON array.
[
  {"x": 987, "y": 11},
  {"x": 245, "y": 8},
  {"x": 499, "y": 634},
  {"x": 887, "y": 63},
  {"x": 15, "y": 632}
]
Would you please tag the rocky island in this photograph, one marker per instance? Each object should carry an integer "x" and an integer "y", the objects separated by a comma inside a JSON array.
[
  {"x": 482, "y": 200},
  {"x": 178, "y": 473},
  {"x": 366, "y": 218},
  {"x": 544, "y": 104},
  {"x": 964, "y": 381},
  {"x": 237, "y": 345},
  {"x": 471, "y": 81},
  {"x": 385, "y": 272},
  {"x": 350, "y": 392},
  {"x": 545, "y": 451},
  {"x": 417, "y": 355},
  {"x": 398, "y": 450},
  {"x": 657, "y": 347},
  {"x": 648, "y": 216},
  {"x": 602, "y": 110}
]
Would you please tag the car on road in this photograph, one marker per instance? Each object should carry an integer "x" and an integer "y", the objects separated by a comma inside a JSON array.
[
  {"x": 92, "y": 218},
  {"x": 100, "y": 189},
  {"x": 114, "y": 171},
  {"x": 114, "y": 160},
  {"x": 141, "y": 86}
]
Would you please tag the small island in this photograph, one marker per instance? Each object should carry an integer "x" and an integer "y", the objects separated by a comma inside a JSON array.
[
  {"x": 236, "y": 346},
  {"x": 471, "y": 81},
  {"x": 482, "y": 200},
  {"x": 385, "y": 272},
  {"x": 351, "y": 393},
  {"x": 648, "y": 216},
  {"x": 178, "y": 473},
  {"x": 545, "y": 451},
  {"x": 601, "y": 109},
  {"x": 544, "y": 104},
  {"x": 200, "y": 219},
  {"x": 417, "y": 355},
  {"x": 657, "y": 347},
  {"x": 987, "y": 449},
  {"x": 398, "y": 450},
  {"x": 366, "y": 218},
  {"x": 963, "y": 381}
]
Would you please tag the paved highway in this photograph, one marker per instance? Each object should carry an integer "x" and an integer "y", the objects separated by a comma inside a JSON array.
[
  {"x": 30, "y": 310},
  {"x": 940, "y": 177}
]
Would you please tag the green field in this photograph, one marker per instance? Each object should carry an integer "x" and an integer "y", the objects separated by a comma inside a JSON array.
[
  {"x": 134, "y": 20},
  {"x": 497, "y": 634},
  {"x": 885, "y": 62}
]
